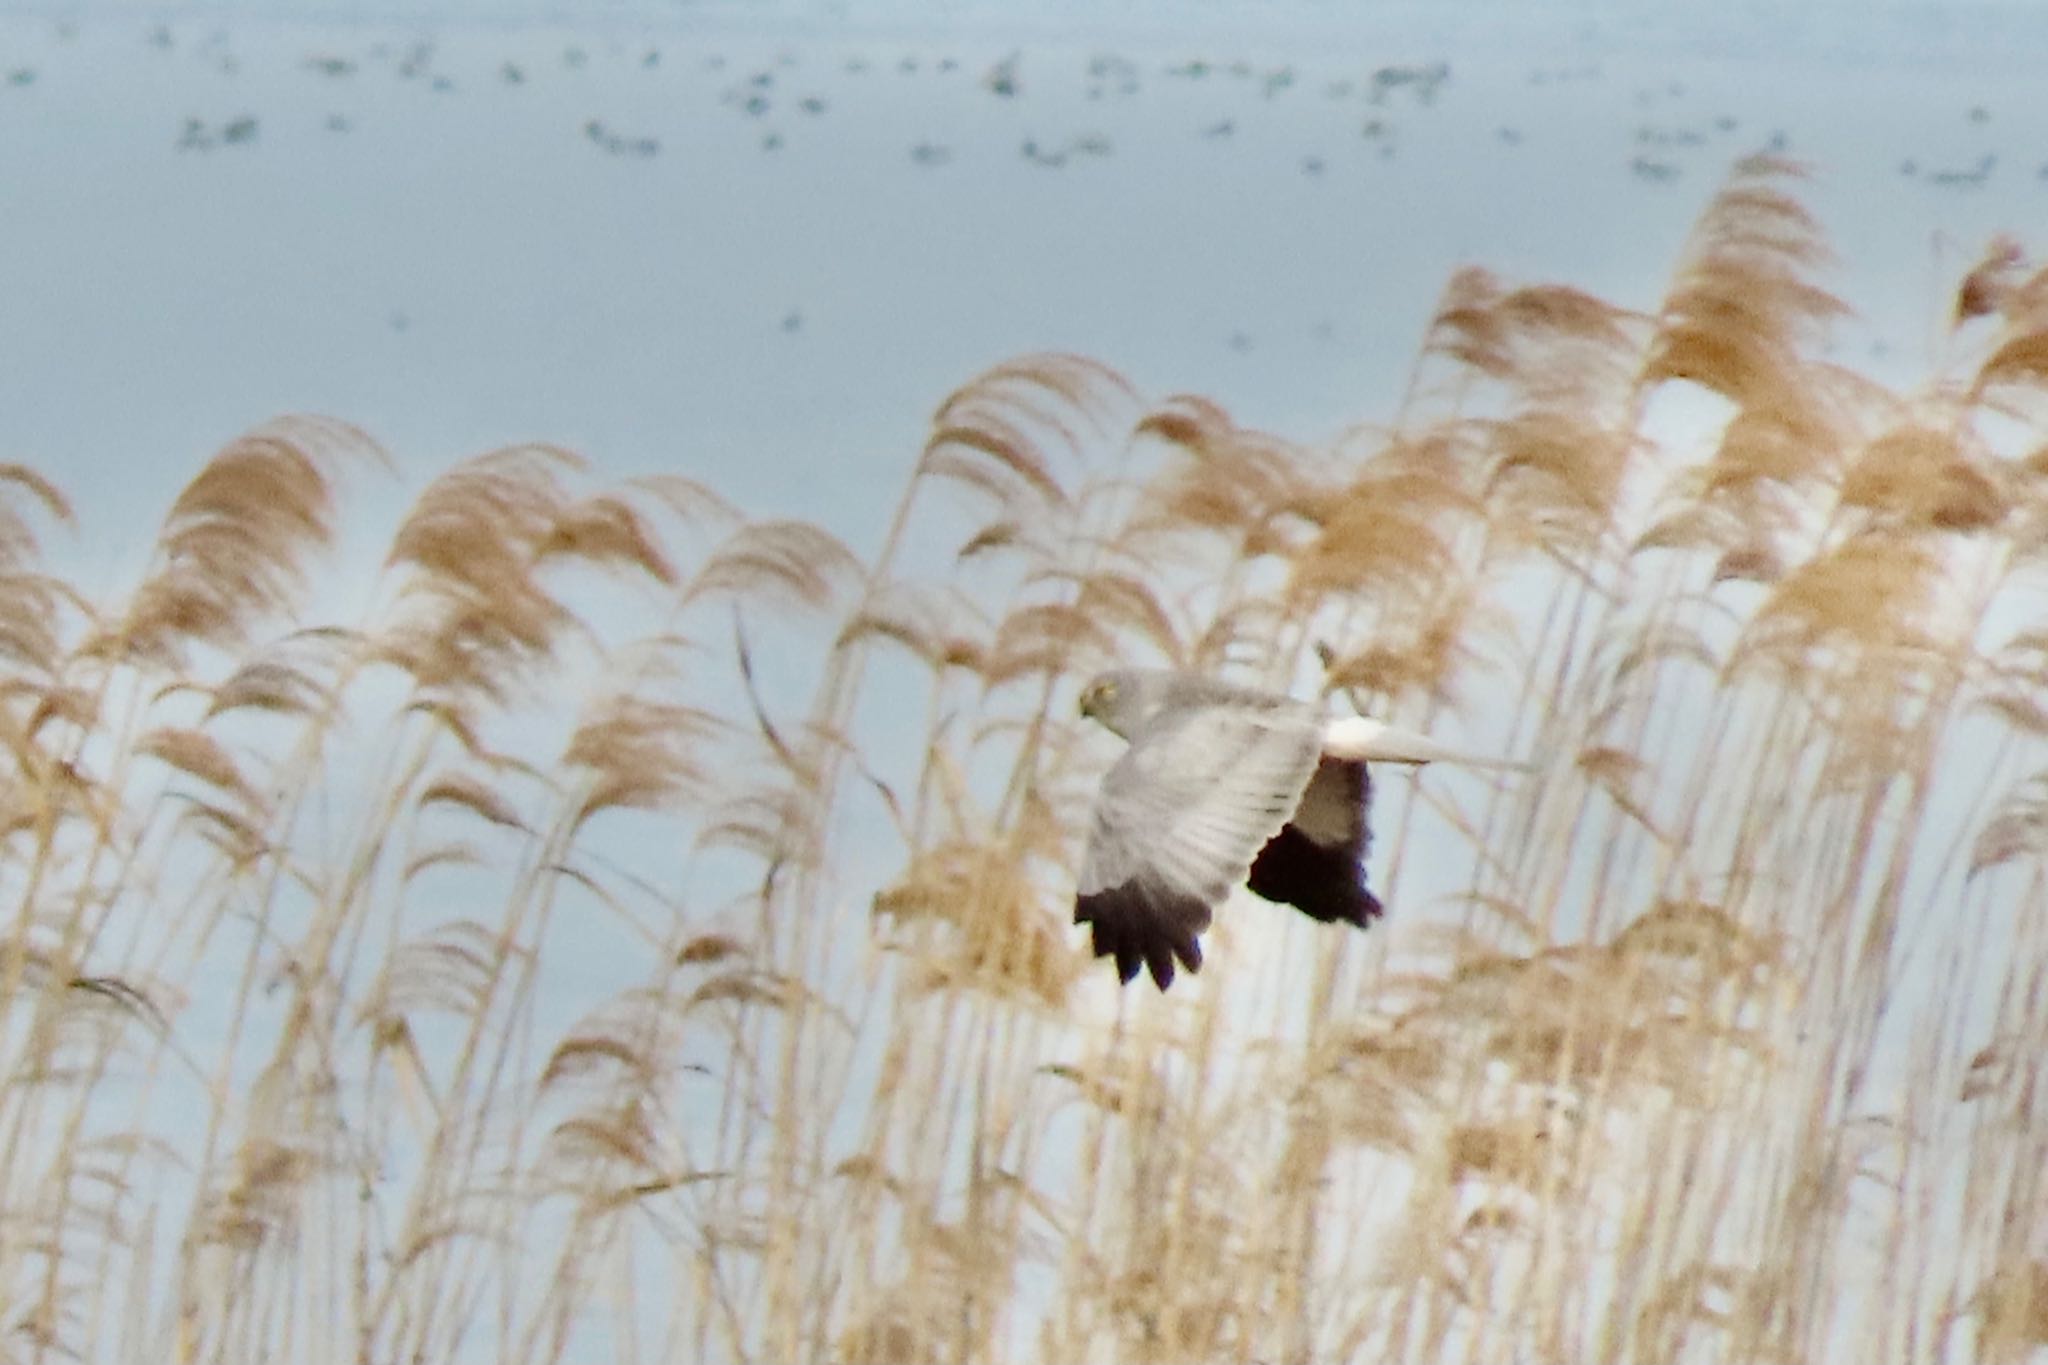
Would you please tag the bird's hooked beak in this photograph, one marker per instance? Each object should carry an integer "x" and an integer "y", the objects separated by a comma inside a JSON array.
[
  {"x": 1102, "y": 703},
  {"x": 1094, "y": 699}
]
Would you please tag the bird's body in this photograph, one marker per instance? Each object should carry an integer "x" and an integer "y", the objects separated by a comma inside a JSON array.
[{"x": 1224, "y": 785}]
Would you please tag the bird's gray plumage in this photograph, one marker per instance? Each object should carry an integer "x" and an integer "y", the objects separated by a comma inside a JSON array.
[{"x": 1210, "y": 791}]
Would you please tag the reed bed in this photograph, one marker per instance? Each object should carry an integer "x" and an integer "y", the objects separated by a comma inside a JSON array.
[{"x": 643, "y": 935}]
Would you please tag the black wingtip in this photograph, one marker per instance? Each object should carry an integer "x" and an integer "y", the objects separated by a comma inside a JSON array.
[
  {"x": 1144, "y": 929},
  {"x": 1324, "y": 882}
]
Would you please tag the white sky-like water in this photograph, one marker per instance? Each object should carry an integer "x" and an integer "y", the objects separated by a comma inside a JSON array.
[{"x": 464, "y": 265}]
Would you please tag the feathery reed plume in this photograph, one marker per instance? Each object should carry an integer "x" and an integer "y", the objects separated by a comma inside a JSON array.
[
  {"x": 997, "y": 433},
  {"x": 231, "y": 549},
  {"x": 1991, "y": 283},
  {"x": 476, "y": 620},
  {"x": 1743, "y": 309},
  {"x": 1922, "y": 478},
  {"x": 1239, "y": 483},
  {"x": 1001, "y": 938},
  {"x": 931, "y": 621}
]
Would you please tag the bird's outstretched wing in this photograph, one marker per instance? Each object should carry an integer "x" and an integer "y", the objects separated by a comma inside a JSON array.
[
  {"x": 1316, "y": 862},
  {"x": 1178, "y": 821}
]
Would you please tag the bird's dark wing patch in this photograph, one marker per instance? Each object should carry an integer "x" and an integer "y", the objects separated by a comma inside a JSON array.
[
  {"x": 1316, "y": 862},
  {"x": 1143, "y": 924},
  {"x": 1322, "y": 882}
]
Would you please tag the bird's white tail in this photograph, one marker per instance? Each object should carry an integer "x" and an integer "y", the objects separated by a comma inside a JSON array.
[{"x": 1364, "y": 739}]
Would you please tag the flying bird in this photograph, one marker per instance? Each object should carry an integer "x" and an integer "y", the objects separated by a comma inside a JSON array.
[{"x": 1222, "y": 785}]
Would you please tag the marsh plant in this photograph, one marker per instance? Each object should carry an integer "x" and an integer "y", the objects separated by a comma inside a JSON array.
[{"x": 641, "y": 932}]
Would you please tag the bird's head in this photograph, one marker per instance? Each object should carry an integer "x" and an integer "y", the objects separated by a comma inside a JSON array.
[{"x": 1120, "y": 699}]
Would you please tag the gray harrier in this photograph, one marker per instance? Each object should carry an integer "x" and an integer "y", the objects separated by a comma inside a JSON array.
[{"x": 1223, "y": 785}]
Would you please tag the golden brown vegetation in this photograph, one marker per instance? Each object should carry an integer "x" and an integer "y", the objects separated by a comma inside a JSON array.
[{"x": 644, "y": 936}]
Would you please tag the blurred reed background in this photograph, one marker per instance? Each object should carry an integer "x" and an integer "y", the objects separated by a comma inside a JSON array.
[{"x": 1713, "y": 1040}]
